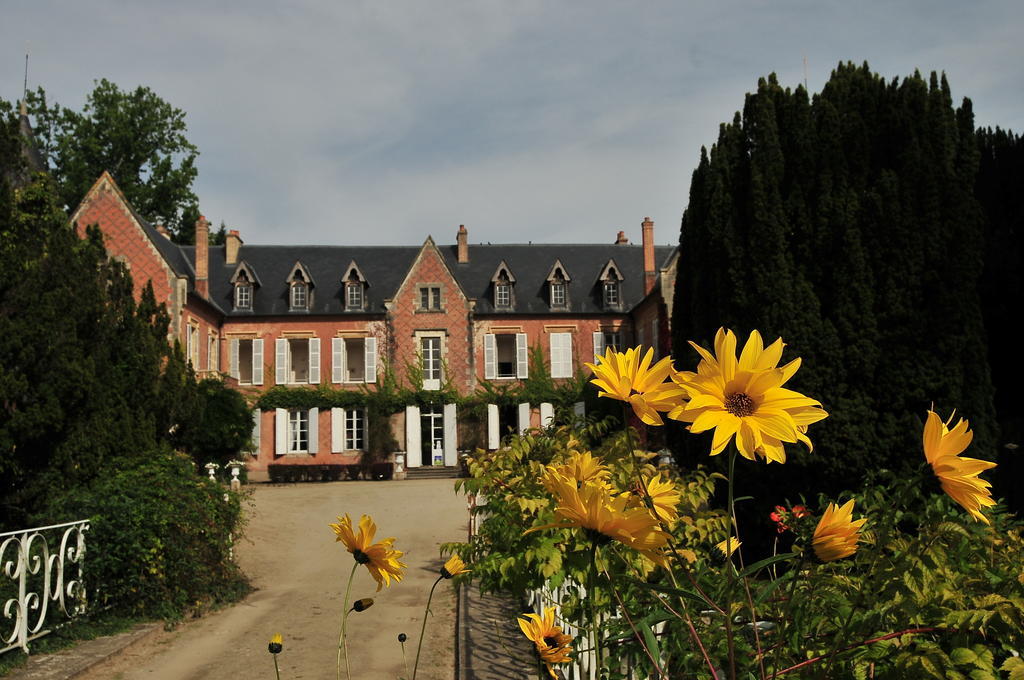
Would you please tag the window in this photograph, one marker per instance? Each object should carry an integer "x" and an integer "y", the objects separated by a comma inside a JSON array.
[
  {"x": 561, "y": 355},
  {"x": 611, "y": 293},
  {"x": 212, "y": 358},
  {"x": 430, "y": 298},
  {"x": 505, "y": 356},
  {"x": 353, "y": 295},
  {"x": 298, "y": 431},
  {"x": 297, "y": 360},
  {"x": 558, "y": 294},
  {"x": 430, "y": 353},
  {"x": 354, "y": 360},
  {"x": 355, "y": 427},
  {"x": 503, "y": 294},
  {"x": 243, "y": 295},
  {"x": 192, "y": 345},
  {"x": 299, "y": 296},
  {"x": 245, "y": 361}
]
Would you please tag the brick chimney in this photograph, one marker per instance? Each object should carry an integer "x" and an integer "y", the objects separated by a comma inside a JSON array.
[
  {"x": 621, "y": 240},
  {"x": 203, "y": 257},
  {"x": 463, "y": 240},
  {"x": 650, "y": 275},
  {"x": 231, "y": 245}
]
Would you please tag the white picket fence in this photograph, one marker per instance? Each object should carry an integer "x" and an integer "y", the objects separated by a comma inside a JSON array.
[
  {"x": 585, "y": 664},
  {"x": 43, "y": 577}
]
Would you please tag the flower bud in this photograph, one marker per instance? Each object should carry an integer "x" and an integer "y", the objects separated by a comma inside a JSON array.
[
  {"x": 402, "y": 637},
  {"x": 275, "y": 645},
  {"x": 363, "y": 604}
]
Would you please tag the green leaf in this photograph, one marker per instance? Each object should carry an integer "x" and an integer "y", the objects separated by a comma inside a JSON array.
[
  {"x": 757, "y": 566},
  {"x": 649, "y": 639},
  {"x": 772, "y": 586},
  {"x": 689, "y": 594},
  {"x": 1014, "y": 665},
  {"x": 962, "y": 655}
]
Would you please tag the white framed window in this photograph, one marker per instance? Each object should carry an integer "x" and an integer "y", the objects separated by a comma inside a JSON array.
[
  {"x": 611, "y": 293},
  {"x": 354, "y": 360},
  {"x": 353, "y": 295},
  {"x": 192, "y": 345},
  {"x": 296, "y": 431},
  {"x": 299, "y": 300},
  {"x": 505, "y": 356},
  {"x": 245, "y": 360},
  {"x": 430, "y": 298},
  {"x": 243, "y": 295},
  {"x": 212, "y": 355},
  {"x": 558, "y": 294},
  {"x": 503, "y": 294},
  {"x": 355, "y": 429},
  {"x": 561, "y": 355},
  {"x": 430, "y": 355},
  {"x": 297, "y": 361},
  {"x": 604, "y": 340}
]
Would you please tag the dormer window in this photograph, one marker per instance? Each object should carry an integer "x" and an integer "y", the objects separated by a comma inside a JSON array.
[
  {"x": 558, "y": 287},
  {"x": 300, "y": 296},
  {"x": 354, "y": 288},
  {"x": 611, "y": 286},
  {"x": 611, "y": 293},
  {"x": 502, "y": 281},
  {"x": 245, "y": 282},
  {"x": 300, "y": 289}
]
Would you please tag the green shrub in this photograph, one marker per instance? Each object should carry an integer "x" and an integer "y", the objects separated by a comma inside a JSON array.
[{"x": 160, "y": 538}]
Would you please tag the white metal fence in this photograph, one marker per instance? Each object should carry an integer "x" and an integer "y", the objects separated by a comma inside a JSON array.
[{"x": 35, "y": 576}]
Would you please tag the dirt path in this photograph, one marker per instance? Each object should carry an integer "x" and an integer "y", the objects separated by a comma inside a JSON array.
[{"x": 299, "y": 571}]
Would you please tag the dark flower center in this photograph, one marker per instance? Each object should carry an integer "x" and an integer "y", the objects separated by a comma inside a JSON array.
[
  {"x": 551, "y": 641},
  {"x": 361, "y": 557},
  {"x": 740, "y": 405}
]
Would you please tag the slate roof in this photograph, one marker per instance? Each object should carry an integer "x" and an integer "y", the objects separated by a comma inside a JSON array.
[
  {"x": 531, "y": 263},
  {"x": 385, "y": 267}
]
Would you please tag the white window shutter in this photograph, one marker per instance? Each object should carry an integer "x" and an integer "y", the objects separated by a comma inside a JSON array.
[
  {"x": 257, "y": 361},
  {"x": 579, "y": 409},
  {"x": 314, "y": 430},
  {"x": 233, "y": 358},
  {"x": 561, "y": 355},
  {"x": 493, "y": 434},
  {"x": 547, "y": 413},
  {"x": 314, "y": 361},
  {"x": 567, "y": 354},
  {"x": 370, "y": 359},
  {"x": 598, "y": 346},
  {"x": 490, "y": 357},
  {"x": 523, "y": 413},
  {"x": 257, "y": 421},
  {"x": 337, "y": 429},
  {"x": 522, "y": 360},
  {"x": 337, "y": 360},
  {"x": 451, "y": 456},
  {"x": 281, "y": 362},
  {"x": 413, "y": 455},
  {"x": 280, "y": 431}
]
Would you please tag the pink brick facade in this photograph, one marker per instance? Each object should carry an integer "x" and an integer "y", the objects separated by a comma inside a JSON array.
[{"x": 434, "y": 298}]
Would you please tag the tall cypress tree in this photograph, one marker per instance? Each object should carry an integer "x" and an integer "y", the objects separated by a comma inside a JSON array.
[{"x": 846, "y": 225}]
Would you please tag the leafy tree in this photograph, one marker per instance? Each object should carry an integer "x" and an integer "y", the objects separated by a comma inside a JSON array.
[
  {"x": 222, "y": 425},
  {"x": 847, "y": 225},
  {"x": 136, "y": 136}
]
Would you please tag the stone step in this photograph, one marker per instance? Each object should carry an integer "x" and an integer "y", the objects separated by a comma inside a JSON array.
[{"x": 432, "y": 472}]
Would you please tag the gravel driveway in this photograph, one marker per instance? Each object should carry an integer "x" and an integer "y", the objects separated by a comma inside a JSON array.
[{"x": 299, "y": 571}]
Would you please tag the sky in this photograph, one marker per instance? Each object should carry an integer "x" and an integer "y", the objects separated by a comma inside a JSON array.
[{"x": 382, "y": 122}]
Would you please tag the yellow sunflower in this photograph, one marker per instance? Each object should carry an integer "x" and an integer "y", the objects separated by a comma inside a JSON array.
[
  {"x": 594, "y": 507},
  {"x": 453, "y": 567},
  {"x": 745, "y": 398},
  {"x": 628, "y": 377},
  {"x": 552, "y": 644},
  {"x": 728, "y": 546},
  {"x": 664, "y": 495},
  {"x": 583, "y": 467},
  {"x": 837, "y": 534},
  {"x": 381, "y": 559},
  {"x": 958, "y": 476}
]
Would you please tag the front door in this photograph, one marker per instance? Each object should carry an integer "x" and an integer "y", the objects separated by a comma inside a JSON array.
[{"x": 431, "y": 433}]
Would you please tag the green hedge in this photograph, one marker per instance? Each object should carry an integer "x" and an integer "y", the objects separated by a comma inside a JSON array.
[
  {"x": 330, "y": 472},
  {"x": 160, "y": 538}
]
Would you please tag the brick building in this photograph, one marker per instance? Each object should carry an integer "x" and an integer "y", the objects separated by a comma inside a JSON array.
[{"x": 459, "y": 314}]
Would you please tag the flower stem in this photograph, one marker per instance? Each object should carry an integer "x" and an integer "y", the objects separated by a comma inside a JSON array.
[
  {"x": 731, "y": 572},
  {"x": 277, "y": 670},
  {"x": 342, "y": 639},
  {"x": 423, "y": 628},
  {"x": 592, "y": 598}
]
